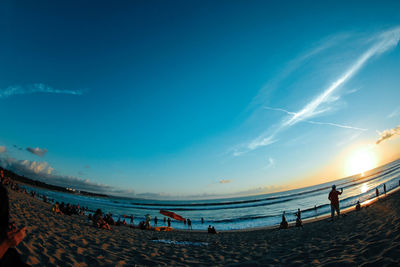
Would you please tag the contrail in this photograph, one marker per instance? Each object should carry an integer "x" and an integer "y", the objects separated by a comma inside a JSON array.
[
  {"x": 337, "y": 125},
  {"x": 318, "y": 122},
  {"x": 388, "y": 39},
  {"x": 383, "y": 42},
  {"x": 281, "y": 109}
]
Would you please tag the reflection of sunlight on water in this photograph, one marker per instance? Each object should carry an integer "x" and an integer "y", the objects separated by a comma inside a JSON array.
[{"x": 364, "y": 188}]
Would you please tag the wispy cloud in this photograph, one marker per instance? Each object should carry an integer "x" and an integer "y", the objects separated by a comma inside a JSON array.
[
  {"x": 271, "y": 162},
  {"x": 37, "y": 151},
  {"x": 387, "y": 134},
  {"x": 320, "y": 104},
  {"x": 3, "y": 149},
  {"x": 294, "y": 64},
  {"x": 225, "y": 181},
  {"x": 35, "y": 88},
  {"x": 395, "y": 113}
]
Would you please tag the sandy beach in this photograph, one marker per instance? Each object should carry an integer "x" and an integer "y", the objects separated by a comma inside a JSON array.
[{"x": 369, "y": 237}]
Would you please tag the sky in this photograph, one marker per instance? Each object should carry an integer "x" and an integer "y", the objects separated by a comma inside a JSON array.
[{"x": 198, "y": 99}]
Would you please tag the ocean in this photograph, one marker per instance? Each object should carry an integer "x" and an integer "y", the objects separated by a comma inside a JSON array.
[{"x": 243, "y": 212}]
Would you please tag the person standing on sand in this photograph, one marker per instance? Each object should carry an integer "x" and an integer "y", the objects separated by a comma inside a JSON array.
[
  {"x": 377, "y": 192},
  {"x": 384, "y": 188},
  {"x": 334, "y": 198},
  {"x": 169, "y": 222},
  {"x": 299, "y": 222}
]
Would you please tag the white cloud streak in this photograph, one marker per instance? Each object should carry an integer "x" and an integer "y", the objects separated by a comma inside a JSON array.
[
  {"x": 395, "y": 113},
  {"x": 386, "y": 41},
  {"x": 35, "y": 88},
  {"x": 318, "y": 122},
  {"x": 380, "y": 44}
]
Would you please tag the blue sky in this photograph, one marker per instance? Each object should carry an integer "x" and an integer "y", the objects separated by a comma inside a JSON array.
[{"x": 197, "y": 98}]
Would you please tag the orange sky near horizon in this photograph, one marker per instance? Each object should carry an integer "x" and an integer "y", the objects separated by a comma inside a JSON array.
[{"x": 338, "y": 167}]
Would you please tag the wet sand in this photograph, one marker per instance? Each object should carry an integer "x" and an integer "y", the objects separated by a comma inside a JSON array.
[{"x": 369, "y": 237}]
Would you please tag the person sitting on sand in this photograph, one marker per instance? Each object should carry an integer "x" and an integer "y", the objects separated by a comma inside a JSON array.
[
  {"x": 299, "y": 222},
  {"x": 358, "y": 206},
  {"x": 9, "y": 237},
  {"x": 56, "y": 209},
  {"x": 142, "y": 225},
  {"x": 211, "y": 230},
  {"x": 334, "y": 198},
  {"x": 284, "y": 224}
]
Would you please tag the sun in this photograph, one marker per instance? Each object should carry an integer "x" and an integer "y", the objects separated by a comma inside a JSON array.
[{"x": 360, "y": 161}]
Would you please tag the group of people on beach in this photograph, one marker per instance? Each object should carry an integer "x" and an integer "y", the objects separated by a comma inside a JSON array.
[{"x": 334, "y": 203}]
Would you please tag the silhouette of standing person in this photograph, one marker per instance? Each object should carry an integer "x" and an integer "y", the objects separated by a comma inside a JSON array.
[
  {"x": 384, "y": 188},
  {"x": 299, "y": 222},
  {"x": 155, "y": 220},
  {"x": 189, "y": 222},
  {"x": 169, "y": 222},
  {"x": 377, "y": 192},
  {"x": 358, "y": 206},
  {"x": 334, "y": 198}
]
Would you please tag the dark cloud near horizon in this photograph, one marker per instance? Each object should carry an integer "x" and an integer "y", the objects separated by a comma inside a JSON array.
[
  {"x": 37, "y": 151},
  {"x": 387, "y": 134},
  {"x": 17, "y": 147}
]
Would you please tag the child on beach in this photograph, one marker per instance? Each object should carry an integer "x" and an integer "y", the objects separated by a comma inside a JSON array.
[{"x": 334, "y": 198}]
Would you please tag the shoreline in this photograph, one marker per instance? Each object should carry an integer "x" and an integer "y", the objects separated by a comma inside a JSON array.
[
  {"x": 371, "y": 235},
  {"x": 267, "y": 227}
]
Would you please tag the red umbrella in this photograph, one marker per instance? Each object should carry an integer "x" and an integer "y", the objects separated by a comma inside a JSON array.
[{"x": 173, "y": 215}]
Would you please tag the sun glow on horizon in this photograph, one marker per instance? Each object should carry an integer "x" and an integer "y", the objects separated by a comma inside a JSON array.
[{"x": 360, "y": 161}]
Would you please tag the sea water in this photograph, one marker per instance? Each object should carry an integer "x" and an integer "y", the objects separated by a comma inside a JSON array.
[{"x": 243, "y": 212}]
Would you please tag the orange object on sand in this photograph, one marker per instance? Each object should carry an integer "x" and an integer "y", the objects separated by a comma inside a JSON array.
[{"x": 163, "y": 229}]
